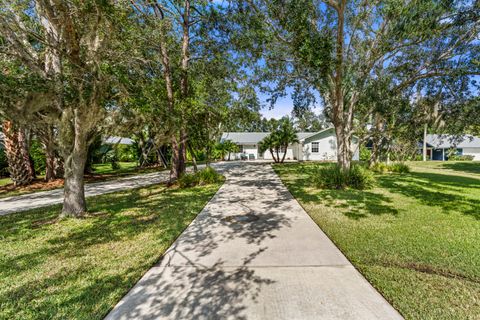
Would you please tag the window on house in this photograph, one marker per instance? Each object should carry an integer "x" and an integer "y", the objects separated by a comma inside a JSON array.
[
  {"x": 314, "y": 146},
  {"x": 240, "y": 148}
]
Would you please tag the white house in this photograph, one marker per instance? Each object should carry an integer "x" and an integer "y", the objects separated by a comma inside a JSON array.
[
  {"x": 320, "y": 146},
  {"x": 439, "y": 145}
]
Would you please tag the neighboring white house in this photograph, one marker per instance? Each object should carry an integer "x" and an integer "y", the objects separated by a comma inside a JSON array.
[
  {"x": 438, "y": 146},
  {"x": 320, "y": 146}
]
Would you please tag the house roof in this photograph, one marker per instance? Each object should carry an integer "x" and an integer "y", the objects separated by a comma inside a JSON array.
[
  {"x": 450, "y": 141},
  {"x": 256, "y": 137},
  {"x": 119, "y": 140}
]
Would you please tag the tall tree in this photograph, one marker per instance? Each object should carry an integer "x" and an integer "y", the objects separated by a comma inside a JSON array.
[
  {"x": 67, "y": 44},
  {"x": 335, "y": 47}
]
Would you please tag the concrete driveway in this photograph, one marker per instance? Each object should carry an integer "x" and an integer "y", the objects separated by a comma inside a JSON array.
[{"x": 253, "y": 253}]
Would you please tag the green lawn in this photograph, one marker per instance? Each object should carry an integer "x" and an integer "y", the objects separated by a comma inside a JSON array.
[
  {"x": 80, "y": 268},
  {"x": 415, "y": 237}
]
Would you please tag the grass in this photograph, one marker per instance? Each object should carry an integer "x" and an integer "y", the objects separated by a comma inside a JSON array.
[
  {"x": 415, "y": 236},
  {"x": 80, "y": 268}
]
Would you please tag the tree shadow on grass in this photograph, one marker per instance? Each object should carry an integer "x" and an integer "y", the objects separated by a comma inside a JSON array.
[
  {"x": 466, "y": 167},
  {"x": 436, "y": 190},
  {"x": 354, "y": 204},
  {"x": 358, "y": 204},
  {"x": 38, "y": 242}
]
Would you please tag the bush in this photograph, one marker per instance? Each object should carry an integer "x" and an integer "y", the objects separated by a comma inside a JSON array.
[
  {"x": 333, "y": 177},
  {"x": 200, "y": 178},
  {"x": 397, "y": 167},
  {"x": 365, "y": 153},
  {"x": 360, "y": 178},
  {"x": 380, "y": 167},
  {"x": 461, "y": 158}
]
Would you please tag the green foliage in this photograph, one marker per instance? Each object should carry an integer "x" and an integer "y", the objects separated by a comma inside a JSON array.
[
  {"x": 3, "y": 164},
  {"x": 333, "y": 177},
  {"x": 397, "y": 167},
  {"x": 283, "y": 134},
  {"x": 223, "y": 148},
  {"x": 365, "y": 153},
  {"x": 458, "y": 157},
  {"x": 38, "y": 156},
  {"x": 203, "y": 177},
  {"x": 112, "y": 157},
  {"x": 126, "y": 153}
]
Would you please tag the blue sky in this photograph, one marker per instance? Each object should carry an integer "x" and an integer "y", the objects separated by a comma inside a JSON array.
[{"x": 283, "y": 107}]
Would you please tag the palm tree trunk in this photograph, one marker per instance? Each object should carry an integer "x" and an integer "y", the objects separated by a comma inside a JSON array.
[
  {"x": 273, "y": 156},
  {"x": 284, "y": 154},
  {"x": 19, "y": 164}
]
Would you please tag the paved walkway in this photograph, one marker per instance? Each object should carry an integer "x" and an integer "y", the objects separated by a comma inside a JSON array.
[
  {"x": 46, "y": 198},
  {"x": 253, "y": 253}
]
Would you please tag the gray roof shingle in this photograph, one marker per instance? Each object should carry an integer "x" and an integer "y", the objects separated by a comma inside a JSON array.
[
  {"x": 255, "y": 137},
  {"x": 441, "y": 141}
]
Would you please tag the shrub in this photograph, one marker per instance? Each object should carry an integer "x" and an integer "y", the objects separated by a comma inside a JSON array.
[
  {"x": 360, "y": 178},
  {"x": 333, "y": 177},
  {"x": 380, "y": 167},
  {"x": 461, "y": 158},
  {"x": 188, "y": 180},
  {"x": 208, "y": 176},
  {"x": 365, "y": 153},
  {"x": 397, "y": 167},
  {"x": 329, "y": 177},
  {"x": 202, "y": 177}
]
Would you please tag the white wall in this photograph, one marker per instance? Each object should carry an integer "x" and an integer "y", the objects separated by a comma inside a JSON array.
[
  {"x": 327, "y": 149},
  {"x": 247, "y": 150},
  {"x": 472, "y": 152},
  {"x": 289, "y": 156}
]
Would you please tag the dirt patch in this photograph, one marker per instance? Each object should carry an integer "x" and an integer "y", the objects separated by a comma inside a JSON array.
[
  {"x": 431, "y": 270},
  {"x": 36, "y": 185}
]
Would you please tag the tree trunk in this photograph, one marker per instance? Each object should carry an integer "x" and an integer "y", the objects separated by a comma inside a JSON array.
[
  {"x": 174, "y": 174},
  {"x": 277, "y": 151},
  {"x": 284, "y": 154},
  {"x": 425, "y": 127},
  {"x": 273, "y": 156},
  {"x": 18, "y": 159},
  {"x": 74, "y": 203},
  {"x": 343, "y": 148},
  {"x": 75, "y": 156}
]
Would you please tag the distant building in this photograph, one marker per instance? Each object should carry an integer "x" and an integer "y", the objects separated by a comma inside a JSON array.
[
  {"x": 438, "y": 146},
  {"x": 320, "y": 146}
]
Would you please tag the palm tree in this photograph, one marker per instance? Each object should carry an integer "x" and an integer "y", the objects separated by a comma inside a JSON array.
[
  {"x": 19, "y": 162},
  {"x": 230, "y": 147},
  {"x": 270, "y": 143},
  {"x": 286, "y": 136},
  {"x": 279, "y": 139}
]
